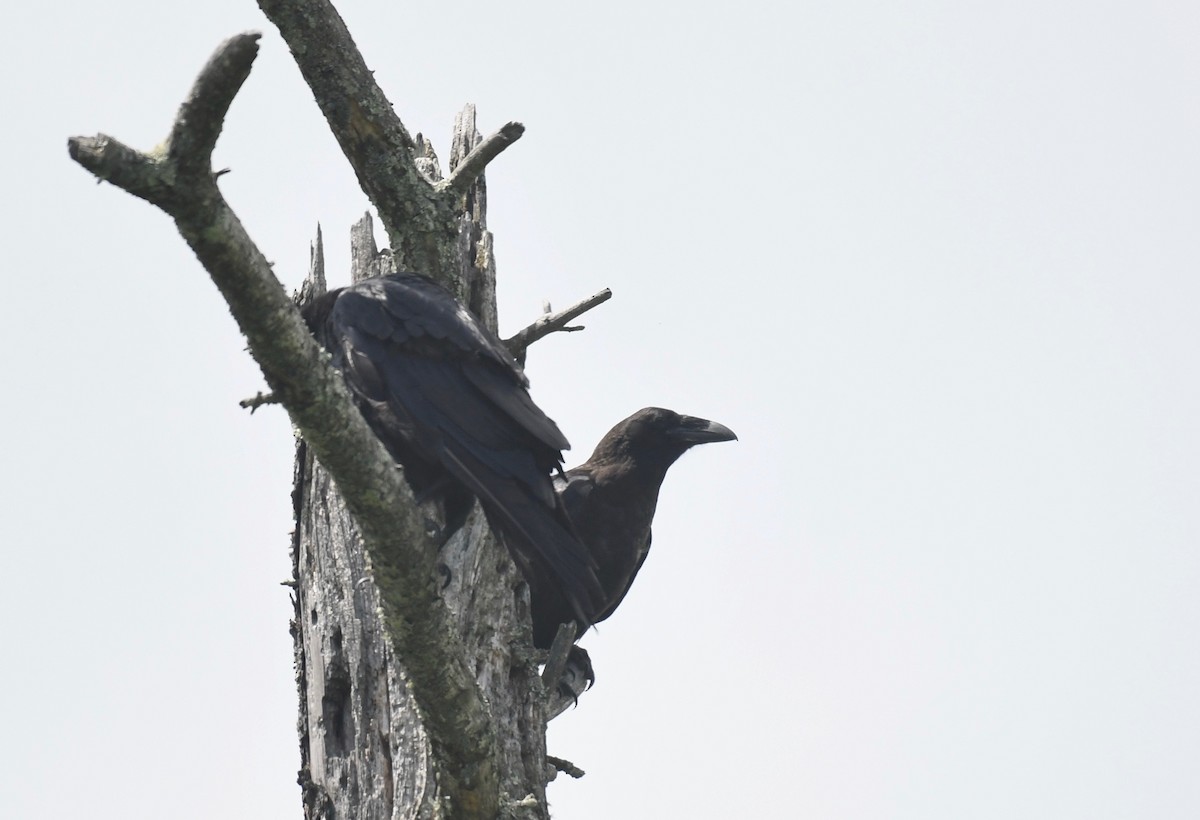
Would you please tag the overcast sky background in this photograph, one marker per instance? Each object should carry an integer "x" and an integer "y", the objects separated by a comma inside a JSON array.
[{"x": 935, "y": 262}]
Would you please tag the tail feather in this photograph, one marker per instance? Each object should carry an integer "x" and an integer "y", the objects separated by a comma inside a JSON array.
[{"x": 532, "y": 531}]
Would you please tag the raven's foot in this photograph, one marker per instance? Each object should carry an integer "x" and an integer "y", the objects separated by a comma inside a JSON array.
[
  {"x": 576, "y": 678},
  {"x": 578, "y": 675}
]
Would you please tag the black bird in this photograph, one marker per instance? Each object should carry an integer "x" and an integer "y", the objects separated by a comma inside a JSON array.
[
  {"x": 453, "y": 408},
  {"x": 611, "y": 498}
]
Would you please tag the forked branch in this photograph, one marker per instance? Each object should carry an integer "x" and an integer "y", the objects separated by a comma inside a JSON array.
[
  {"x": 179, "y": 180},
  {"x": 420, "y": 219},
  {"x": 464, "y": 176},
  {"x": 519, "y": 342}
]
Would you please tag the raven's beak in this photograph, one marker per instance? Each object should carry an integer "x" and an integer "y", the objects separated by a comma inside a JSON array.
[{"x": 694, "y": 430}]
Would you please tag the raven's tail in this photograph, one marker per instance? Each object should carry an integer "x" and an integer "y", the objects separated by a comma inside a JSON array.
[{"x": 535, "y": 533}]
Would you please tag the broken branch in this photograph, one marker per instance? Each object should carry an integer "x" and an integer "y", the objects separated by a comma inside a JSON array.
[
  {"x": 565, "y": 766},
  {"x": 464, "y": 176},
  {"x": 258, "y": 401},
  {"x": 518, "y": 343}
]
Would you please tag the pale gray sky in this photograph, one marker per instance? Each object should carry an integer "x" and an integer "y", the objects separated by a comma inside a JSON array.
[{"x": 936, "y": 263}]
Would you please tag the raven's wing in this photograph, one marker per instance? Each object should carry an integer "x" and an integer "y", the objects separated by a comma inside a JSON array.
[
  {"x": 615, "y": 600},
  {"x": 441, "y": 386},
  {"x": 410, "y": 314}
]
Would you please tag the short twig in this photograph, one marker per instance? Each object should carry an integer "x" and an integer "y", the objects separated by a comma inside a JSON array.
[
  {"x": 551, "y": 323},
  {"x": 564, "y": 639},
  {"x": 258, "y": 401},
  {"x": 462, "y": 177},
  {"x": 565, "y": 766}
]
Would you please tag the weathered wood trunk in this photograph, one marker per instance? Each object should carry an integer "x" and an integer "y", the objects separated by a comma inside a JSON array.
[
  {"x": 418, "y": 698},
  {"x": 365, "y": 752}
]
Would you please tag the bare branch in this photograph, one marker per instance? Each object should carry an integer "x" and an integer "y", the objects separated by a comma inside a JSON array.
[
  {"x": 258, "y": 401},
  {"x": 551, "y": 323},
  {"x": 565, "y": 766},
  {"x": 202, "y": 114},
  {"x": 374, "y": 140},
  {"x": 464, "y": 176},
  {"x": 423, "y": 222},
  {"x": 112, "y": 160}
]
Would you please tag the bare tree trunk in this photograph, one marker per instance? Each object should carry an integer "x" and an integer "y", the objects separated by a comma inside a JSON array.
[{"x": 364, "y": 750}]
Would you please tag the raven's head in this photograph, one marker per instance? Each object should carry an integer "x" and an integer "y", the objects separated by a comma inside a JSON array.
[{"x": 654, "y": 435}]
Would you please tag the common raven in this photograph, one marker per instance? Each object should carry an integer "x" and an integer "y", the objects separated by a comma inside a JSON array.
[
  {"x": 611, "y": 498},
  {"x": 452, "y": 407}
]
